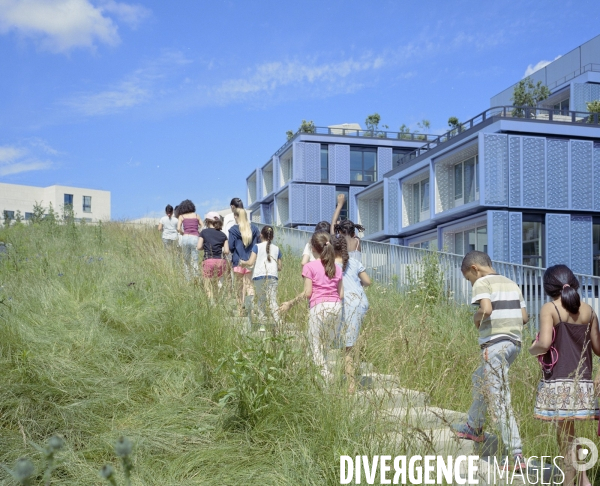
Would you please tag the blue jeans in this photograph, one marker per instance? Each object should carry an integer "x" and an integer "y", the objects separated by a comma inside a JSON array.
[
  {"x": 490, "y": 388},
  {"x": 189, "y": 244}
]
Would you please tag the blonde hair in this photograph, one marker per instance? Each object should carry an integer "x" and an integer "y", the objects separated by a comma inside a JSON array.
[{"x": 244, "y": 224}]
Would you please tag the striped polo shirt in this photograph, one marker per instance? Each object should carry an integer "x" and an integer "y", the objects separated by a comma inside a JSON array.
[{"x": 506, "y": 321}]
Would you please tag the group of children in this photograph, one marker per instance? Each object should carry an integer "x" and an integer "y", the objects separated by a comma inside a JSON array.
[
  {"x": 568, "y": 336},
  {"x": 334, "y": 282}
]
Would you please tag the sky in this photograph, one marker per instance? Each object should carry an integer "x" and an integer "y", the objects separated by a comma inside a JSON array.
[{"x": 161, "y": 101}]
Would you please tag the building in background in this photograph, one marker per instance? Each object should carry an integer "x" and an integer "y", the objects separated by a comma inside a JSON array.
[
  {"x": 90, "y": 205},
  {"x": 298, "y": 185},
  {"x": 521, "y": 185}
]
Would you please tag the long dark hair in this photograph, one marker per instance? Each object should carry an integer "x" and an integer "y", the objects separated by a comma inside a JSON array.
[
  {"x": 267, "y": 235},
  {"x": 559, "y": 280},
  {"x": 323, "y": 226},
  {"x": 321, "y": 242},
  {"x": 340, "y": 246},
  {"x": 348, "y": 228},
  {"x": 236, "y": 202},
  {"x": 186, "y": 207},
  {"x": 169, "y": 210}
]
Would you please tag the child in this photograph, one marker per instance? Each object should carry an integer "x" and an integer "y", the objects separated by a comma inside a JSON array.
[
  {"x": 188, "y": 224},
  {"x": 573, "y": 340},
  {"x": 214, "y": 243},
  {"x": 324, "y": 288},
  {"x": 347, "y": 228},
  {"x": 265, "y": 276},
  {"x": 307, "y": 254},
  {"x": 500, "y": 319},
  {"x": 168, "y": 228},
  {"x": 242, "y": 238},
  {"x": 354, "y": 306}
]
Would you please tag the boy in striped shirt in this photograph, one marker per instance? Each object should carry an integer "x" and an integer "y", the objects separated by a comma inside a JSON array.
[{"x": 500, "y": 319}]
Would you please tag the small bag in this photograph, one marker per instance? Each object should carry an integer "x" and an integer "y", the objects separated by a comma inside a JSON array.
[{"x": 552, "y": 354}]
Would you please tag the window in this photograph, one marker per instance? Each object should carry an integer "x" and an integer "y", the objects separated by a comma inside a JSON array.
[
  {"x": 532, "y": 244},
  {"x": 466, "y": 185},
  {"x": 10, "y": 215},
  {"x": 363, "y": 164},
  {"x": 28, "y": 216},
  {"x": 271, "y": 213},
  {"x": 421, "y": 201},
  {"x": 69, "y": 200},
  {"x": 469, "y": 240},
  {"x": 561, "y": 107},
  {"x": 426, "y": 245},
  {"x": 87, "y": 204},
  {"x": 324, "y": 163},
  {"x": 344, "y": 191},
  {"x": 397, "y": 155}
]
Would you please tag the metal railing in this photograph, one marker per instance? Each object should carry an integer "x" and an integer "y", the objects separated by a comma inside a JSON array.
[
  {"x": 498, "y": 112},
  {"x": 399, "y": 266},
  {"x": 353, "y": 132},
  {"x": 574, "y": 74}
]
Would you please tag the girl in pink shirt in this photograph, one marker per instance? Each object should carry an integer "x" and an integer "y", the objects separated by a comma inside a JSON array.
[{"x": 324, "y": 289}]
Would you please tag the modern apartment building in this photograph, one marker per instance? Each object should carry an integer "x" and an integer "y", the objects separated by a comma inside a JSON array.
[
  {"x": 522, "y": 185},
  {"x": 88, "y": 204},
  {"x": 298, "y": 185}
]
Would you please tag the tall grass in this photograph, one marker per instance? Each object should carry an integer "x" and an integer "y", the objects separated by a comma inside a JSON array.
[{"x": 101, "y": 337}]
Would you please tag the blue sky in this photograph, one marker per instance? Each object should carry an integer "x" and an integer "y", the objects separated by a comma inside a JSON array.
[{"x": 161, "y": 101}]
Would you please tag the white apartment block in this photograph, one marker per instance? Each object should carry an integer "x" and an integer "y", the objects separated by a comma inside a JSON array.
[{"x": 90, "y": 205}]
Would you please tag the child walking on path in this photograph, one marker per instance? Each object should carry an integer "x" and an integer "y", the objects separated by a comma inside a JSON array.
[
  {"x": 568, "y": 335},
  {"x": 266, "y": 260},
  {"x": 324, "y": 288},
  {"x": 354, "y": 306},
  {"x": 500, "y": 319},
  {"x": 214, "y": 243},
  {"x": 242, "y": 238},
  {"x": 168, "y": 227}
]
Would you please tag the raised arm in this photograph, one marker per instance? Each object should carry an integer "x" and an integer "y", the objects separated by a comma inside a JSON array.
[{"x": 336, "y": 214}]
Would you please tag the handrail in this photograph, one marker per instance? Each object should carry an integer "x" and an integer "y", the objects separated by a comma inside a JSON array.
[
  {"x": 353, "y": 132},
  {"x": 516, "y": 112},
  {"x": 588, "y": 67}
]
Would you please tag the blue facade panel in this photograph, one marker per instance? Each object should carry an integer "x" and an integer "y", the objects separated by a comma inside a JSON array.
[
  {"x": 384, "y": 161},
  {"x": 498, "y": 230},
  {"x": 298, "y": 167},
  {"x": 259, "y": 185},
  {"x": 581, "y": 244},
  {"x": 276, "y": 169},
  {"x": 313, "y": 204},
  {"x": 581, "y": 174},
  {"x": 515, "y": 237},
  {"x": 328, "y": 203},
  {"x": 597, "y": 177},
  {"x": 557, "y": 173},
  {"x": 534, "y": 172},
  {"x": 312, "y": 162},
  {"x": 514, "y": 171},
  {"x": 339, "y": 164},
  {"x": 297, "y": 203},
  {"x": 558, "y": 239},
  {"x": 266, "y": 216},
  {"x": 495, "y": 167},
  {"x": 392, "y": 206}
]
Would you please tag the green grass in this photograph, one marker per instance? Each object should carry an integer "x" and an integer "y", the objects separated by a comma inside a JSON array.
[{"x": 100, "y": 336}]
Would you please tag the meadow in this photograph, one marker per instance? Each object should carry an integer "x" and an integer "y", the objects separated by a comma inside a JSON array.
[{"x": 101, "y": 337}]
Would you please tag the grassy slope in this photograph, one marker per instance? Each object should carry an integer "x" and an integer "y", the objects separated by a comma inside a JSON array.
[{"x": 101, "y": 337}]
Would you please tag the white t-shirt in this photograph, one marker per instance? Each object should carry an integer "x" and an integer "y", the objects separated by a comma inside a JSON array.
[
  {"x": 263, "y": 267},
  {"x": 169, "y": 231},
  {"x": 228, "y": 222},
  {"x": 308, "y": 251}
]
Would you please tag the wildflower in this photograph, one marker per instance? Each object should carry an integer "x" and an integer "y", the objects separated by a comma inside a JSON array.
[
  {"x": 123, "y": 447},
  {"x": 417, "y": 306},
  {"x": 60, "y": 274},
  {"x": 55, "y": 443},
  {"x": 23, "y": 471}
]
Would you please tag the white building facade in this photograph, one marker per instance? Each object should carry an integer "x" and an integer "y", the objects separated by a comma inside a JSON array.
[{"x": 90, "y": 205}]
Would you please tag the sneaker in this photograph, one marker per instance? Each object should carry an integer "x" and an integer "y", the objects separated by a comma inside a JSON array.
[
  {"x": 465, "y": 431},
  {"x": 518, "y": 464}
]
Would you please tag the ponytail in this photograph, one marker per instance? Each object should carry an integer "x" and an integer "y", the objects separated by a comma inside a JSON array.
[
  {"x": 267, "y": 235},
  {"x": 321, "y": 242},
  {"x": 245, "y": 229},
  {"x": 340, "y": 247},
  {"x": 560, "y": 281}
]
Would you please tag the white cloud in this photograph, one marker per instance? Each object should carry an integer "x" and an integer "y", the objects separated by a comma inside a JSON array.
[
  {"x": 29, "y": 156},
  {"x": 540, "y": 65},
  {"x": 61, "y": 25}
]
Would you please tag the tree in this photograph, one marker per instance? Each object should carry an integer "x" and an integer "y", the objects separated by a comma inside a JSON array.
[
  {"x": 18, "y": 217},
  {"x": 307, "y": 127},
  {"x": 455, "y": 125},
  {"x": 372, "y": 123},
  {"x": 38, "y": 213},
  {"x": 289, "y": 134},
  {"x": 527, "y": 95},
  {"x": 404, "y": 132},
  {"x": 424, "y": 125},
  {"x": 593, "y": 108}
]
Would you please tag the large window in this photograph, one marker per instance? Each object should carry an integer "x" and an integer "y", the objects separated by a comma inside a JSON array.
[
  {"x": 343, "y": 190},
  {"x": 469, "y": 240},
  {"x": 426, "y": 245},
  {"x": 533, "y": 244},
  {"x": 421, "y": 200},
  {"x": 397, "y": 155},
  {"x": 68, "y": 200},
  {"x": 363, "y": 164},
  {"x": 562, "y": 107},
  {"x": 87, "y": 204},
  {"x": 324, "y": 162},
  {"x": 466, "y": 185}
]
